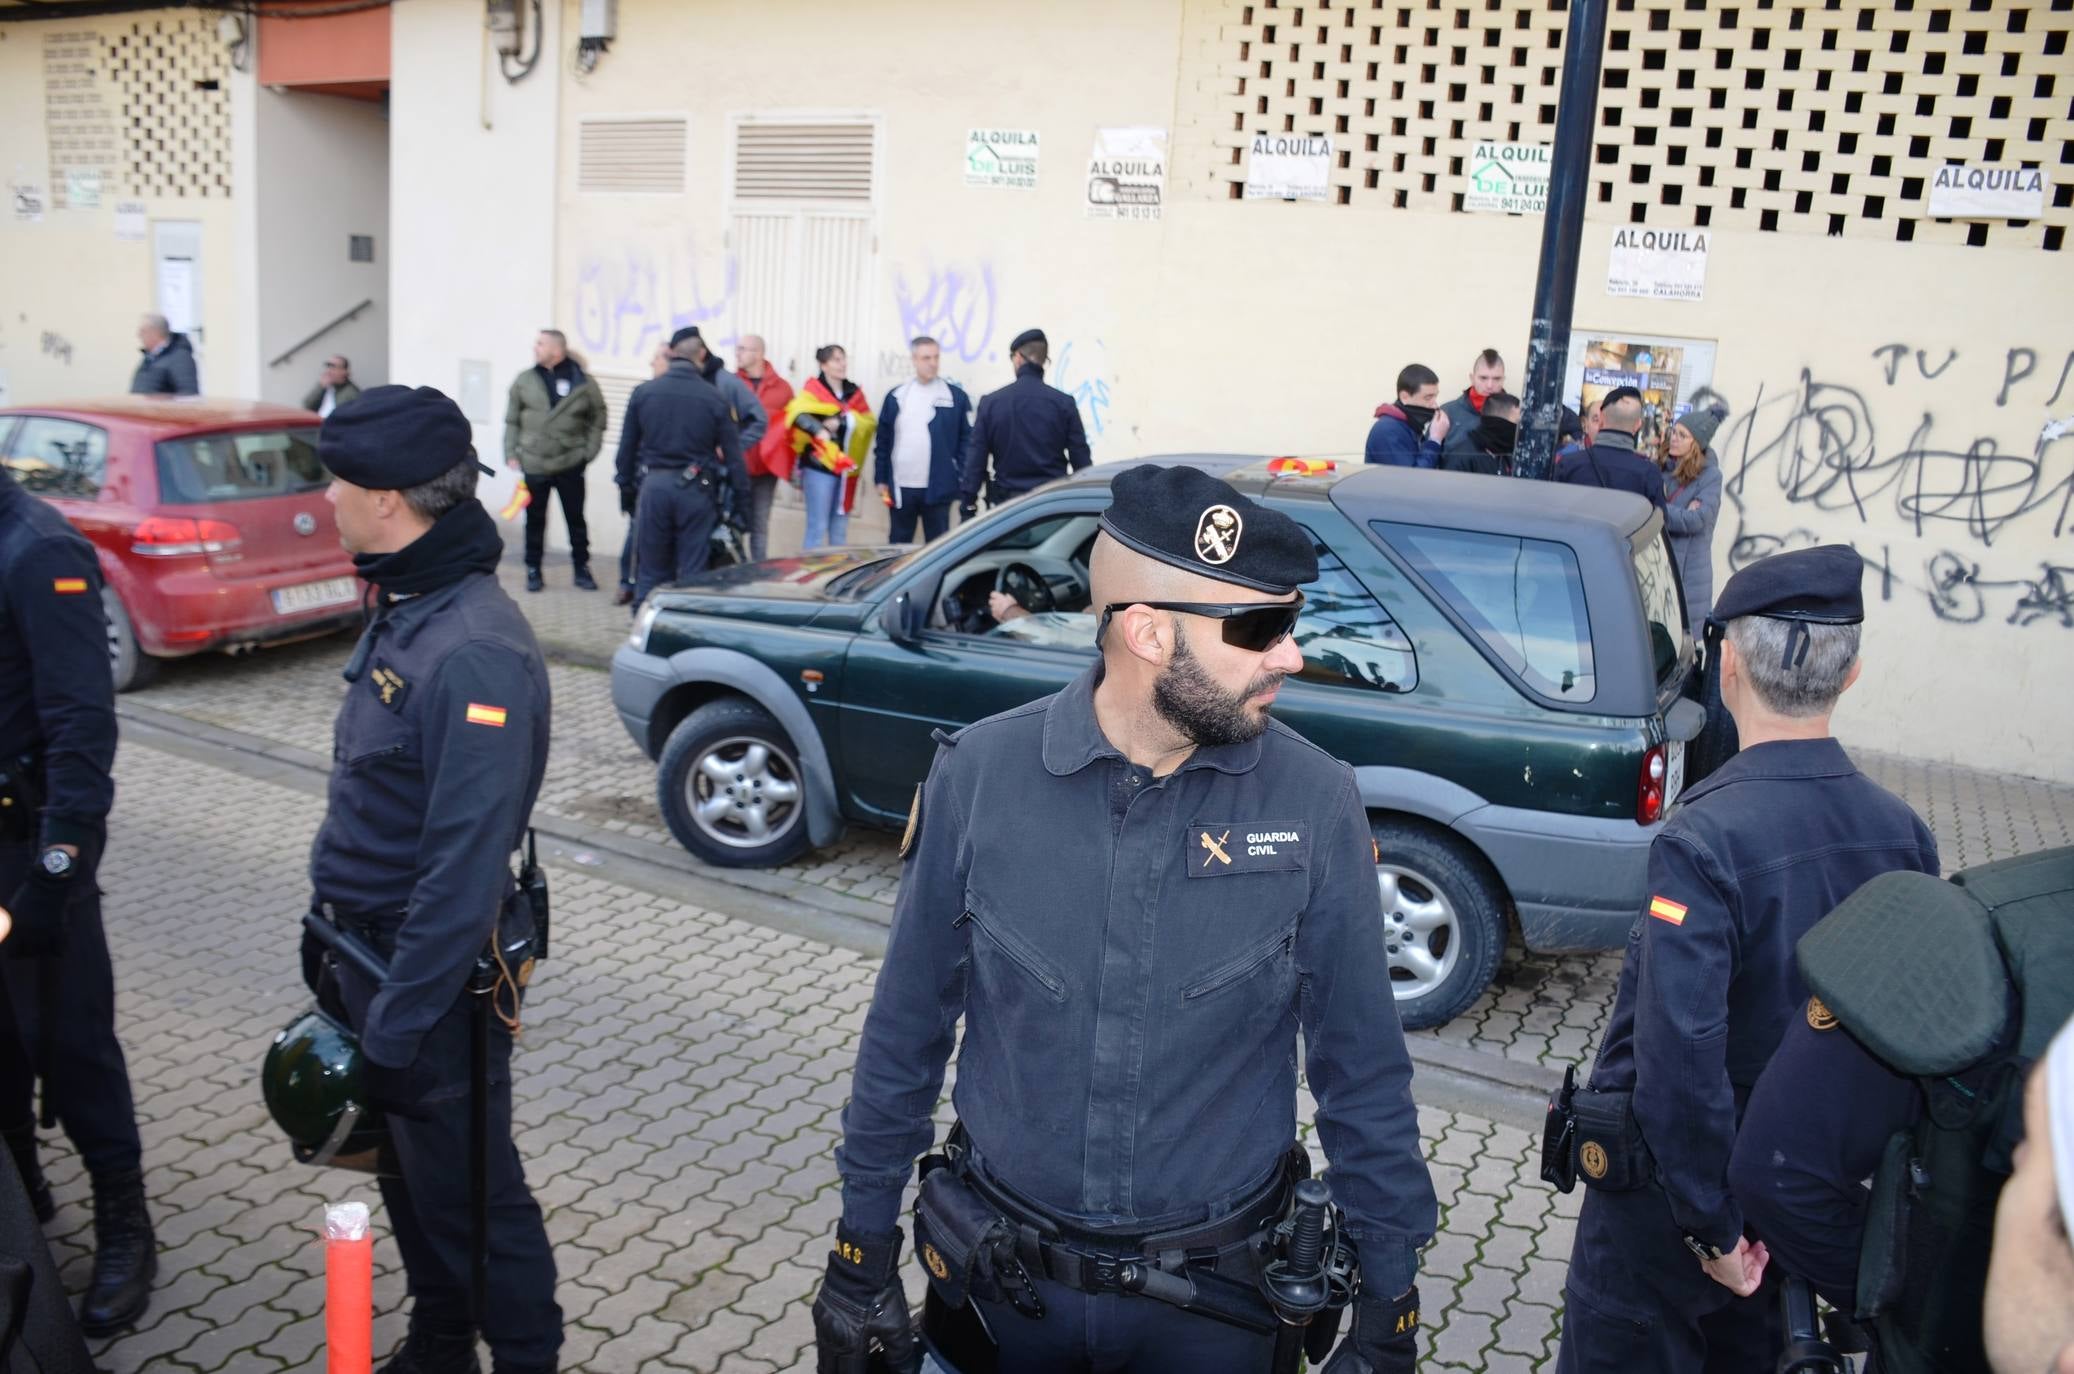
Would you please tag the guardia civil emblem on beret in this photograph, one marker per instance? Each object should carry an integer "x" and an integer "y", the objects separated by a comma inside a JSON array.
[{"x": 1217, "y": 534}]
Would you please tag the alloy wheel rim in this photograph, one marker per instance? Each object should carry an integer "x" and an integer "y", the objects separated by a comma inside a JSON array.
[
  {"x": 1421, "y": 931},
  {"x": 744, "y": 792}
]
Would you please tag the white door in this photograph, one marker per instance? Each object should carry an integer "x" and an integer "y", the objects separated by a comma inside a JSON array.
[{"x": 176, "y": 252}]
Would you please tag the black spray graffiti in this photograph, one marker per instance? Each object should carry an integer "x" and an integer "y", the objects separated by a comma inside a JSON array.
[{"x": 57, "y": 346}]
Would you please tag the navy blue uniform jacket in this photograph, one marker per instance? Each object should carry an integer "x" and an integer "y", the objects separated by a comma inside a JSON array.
[{"x": 1033, "y": 432}]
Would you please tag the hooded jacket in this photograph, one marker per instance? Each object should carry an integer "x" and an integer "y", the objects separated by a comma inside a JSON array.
[
  {"x": 168, "y": 372},
  {"x": 1395, "y": 440}
]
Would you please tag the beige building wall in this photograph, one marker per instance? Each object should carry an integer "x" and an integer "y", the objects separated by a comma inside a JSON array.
[
  {"x": 1890, "y": 383},
  {"x": 71, "y": 289}
]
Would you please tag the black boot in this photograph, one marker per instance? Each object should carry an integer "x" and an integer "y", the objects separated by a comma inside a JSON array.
[
  {"x": 125, "y": 1255},
  {"x": 533, "y": 581},
  {"x": 583, "y": 579},
  {"x": 21, "y": 1143},
  {"x": 432, "y": 1348}
]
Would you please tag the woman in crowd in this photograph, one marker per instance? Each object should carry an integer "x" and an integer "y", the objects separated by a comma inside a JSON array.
[
  {"x": 830, "y": 423},
  {"x": 1692, "y": 503}
]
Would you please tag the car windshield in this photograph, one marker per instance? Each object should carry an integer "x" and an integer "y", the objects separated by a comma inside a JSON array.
[
  {"x": 861, "y": 581},
  {"x": 1660, "y": 602},
  {"x": 251, "y": 463},
  {"x": 1524, "y": 598}
]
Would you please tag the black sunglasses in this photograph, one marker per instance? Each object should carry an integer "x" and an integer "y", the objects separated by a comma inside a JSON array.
[{"x": 1255, "y": 626}]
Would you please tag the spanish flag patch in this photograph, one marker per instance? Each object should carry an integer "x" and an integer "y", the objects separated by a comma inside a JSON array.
[
  {"x": 68, "y": 586},
  {"x": 1664, "y": 909},
  {"x": 478, "y": 714}
]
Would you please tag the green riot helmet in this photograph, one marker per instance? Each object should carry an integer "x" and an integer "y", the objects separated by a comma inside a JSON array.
[{"x": 313, "y": 1090}]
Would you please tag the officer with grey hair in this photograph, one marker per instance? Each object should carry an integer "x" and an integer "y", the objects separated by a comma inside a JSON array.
[{"x": 1662, "y": 1275}]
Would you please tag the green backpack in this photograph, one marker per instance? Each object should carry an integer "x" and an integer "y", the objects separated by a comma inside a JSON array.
[{"x": 1958, "y": 985}]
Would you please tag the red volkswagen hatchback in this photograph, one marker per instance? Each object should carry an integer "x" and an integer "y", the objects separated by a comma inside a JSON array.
[{"x": 209, "y": 518}]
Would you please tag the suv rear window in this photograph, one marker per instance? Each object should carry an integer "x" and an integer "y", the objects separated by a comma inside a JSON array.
[
  {"x": 239, "y": 467},
  {"x": 1524, "y": 598},
  {"x": 1661, "y": 603}
]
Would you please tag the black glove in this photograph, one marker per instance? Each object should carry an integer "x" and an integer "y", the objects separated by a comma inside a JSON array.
[
  {"x": 1385, "y": 1338},
  {"x": 861, "y": 1303},
  {"x": 629, "y": 499},
  {"x": 398, "y": 1092},
  {"x": 968, "y": 510},
  {"x": 39, "y": 907},
  {"x": 313, "y": 953}
]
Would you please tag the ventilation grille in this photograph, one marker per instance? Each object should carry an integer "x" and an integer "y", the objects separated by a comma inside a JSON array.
[
  {"x": 169, "y": 74},
  {"x": 618, "y": 388},
  {"x": 1828, "y": 118},
  {"x": 803, "y": 162},
  {"x": 630, "y": 155}
]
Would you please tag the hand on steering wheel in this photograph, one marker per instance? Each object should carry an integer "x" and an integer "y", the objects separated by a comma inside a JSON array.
[{"x": 1025, "y": 586}]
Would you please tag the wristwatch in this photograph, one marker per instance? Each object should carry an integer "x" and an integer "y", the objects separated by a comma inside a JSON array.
[
  {"x": 1703, "y": 1250},
  {"x": 57, "y": 863}
]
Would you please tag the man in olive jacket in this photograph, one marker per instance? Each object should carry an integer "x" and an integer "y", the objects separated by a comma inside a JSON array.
[{"x": 554, "y": 424}]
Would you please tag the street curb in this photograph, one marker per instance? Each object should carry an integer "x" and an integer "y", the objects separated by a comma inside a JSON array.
[{"x": 1501, "y": 1089}]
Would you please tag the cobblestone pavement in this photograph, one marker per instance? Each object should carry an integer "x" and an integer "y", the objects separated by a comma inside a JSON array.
[{"x": 678, "y": 1095}]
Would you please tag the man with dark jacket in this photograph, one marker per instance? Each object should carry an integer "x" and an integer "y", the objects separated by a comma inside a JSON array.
[
  {"x": 1032, "y": 432},
  {"x": 554, "y": 424},
  {"x": 1409, "y": 434},
  {"x": 1487, "y": 446},
  {"x": 1486, "y": 379},
  {"x": 1610, "y": 460},
  {"x": 167, "y": 368},
  {"x": 923, "y": 426},
  {"x": 681, "y": 436},
  {"x": 334, "y": 387}
]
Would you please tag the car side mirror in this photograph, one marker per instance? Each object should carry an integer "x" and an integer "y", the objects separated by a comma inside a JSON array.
[{"x": 904, "y": 620}]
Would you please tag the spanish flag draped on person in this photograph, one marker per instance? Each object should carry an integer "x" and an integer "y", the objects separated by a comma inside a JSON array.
[{"x": 831, "y": 427}]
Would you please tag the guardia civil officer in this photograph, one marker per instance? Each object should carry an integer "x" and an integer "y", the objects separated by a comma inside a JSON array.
[
  {"x": 1029, "y": 431},
  {"x": 1661, "y": 1274},
  {"x": 1136, "y": 892},
  {"x": 679, "y": 441},
  {"x": 57, "y": 987},
  {"x": 1928, "y": 1002},
  {"x": 438, "y": 755}
]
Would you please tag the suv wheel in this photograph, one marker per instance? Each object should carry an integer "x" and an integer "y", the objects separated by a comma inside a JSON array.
[
  {"x": 1443, "y": 922},
  {"x": 131, "y": 665},
  {"x": 729, "y": 785}
]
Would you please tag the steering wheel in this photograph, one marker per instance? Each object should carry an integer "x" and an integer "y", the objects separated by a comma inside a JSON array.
[{"x": 1025, "y": 586}]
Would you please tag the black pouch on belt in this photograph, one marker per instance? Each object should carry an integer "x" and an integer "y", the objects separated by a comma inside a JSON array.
[
  {"x": 955, "y": 1233},
  {"x": 1559, "y": 1136},
  {"x": 1610, "y": 1152}
]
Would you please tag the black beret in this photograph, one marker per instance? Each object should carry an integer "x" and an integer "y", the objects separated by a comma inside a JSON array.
[
  {"x": 1187, "y": 518},
  {"x": 391, "y": 437},
  {"x": 1028, "y": 336},
  {"x": 690, "y": 331},
  {"x": 1821, "y": 585}
]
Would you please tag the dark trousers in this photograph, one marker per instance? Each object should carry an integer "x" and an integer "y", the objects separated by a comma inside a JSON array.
[
  {"x": 675, "y": 521},
  {"x": 1082, "y": 1333},
  {"x": 88, "y": 1080},
  {"x": 569, "y": 486},
  {"x": 900, "y": 521},
  {"x": 1636, "y": 1299},
  {"x": 424, "y": 1181}
]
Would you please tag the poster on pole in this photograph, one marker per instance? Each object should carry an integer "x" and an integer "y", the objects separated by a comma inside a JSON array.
[
  {"x": 1668, "y": 371},
  {"x": 1288, "y": 167},
  {"x": 1127, "y": 173},
  {"x": 1509, "y": 178},
  {"x": 1001, "y": 157},
  {"x": 1973, "y": 191},
  {"x": 1660, "y": 264}
]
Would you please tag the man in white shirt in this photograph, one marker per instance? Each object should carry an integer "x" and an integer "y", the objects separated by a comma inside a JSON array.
[
  {"x": 333, "y": 389},
  {"x": 923, "y": 426}
]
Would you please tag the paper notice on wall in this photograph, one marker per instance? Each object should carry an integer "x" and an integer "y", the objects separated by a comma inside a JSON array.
[
  {"x": 1001, "y": 157},
  {"x": 1511, "y": 178},
  {"x": 1661, "y": 264},
  {"x": 130, "y": 220},
  {"x": 30, "y": 201},
  {"x": 1127, "y": 175},
  {"x": 82, "y": 190},
  {"x": 1972, "y": 191},
  {"x": 176, "y": 293},
  {"x": 1288, "y": 167}
]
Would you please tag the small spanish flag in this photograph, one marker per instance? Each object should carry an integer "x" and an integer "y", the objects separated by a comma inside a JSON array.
[
  {"x": 1664, "y": 909},
  {"x": 520, "y": 499},
  {"x": 479, "y": 714},
  {"x": 1300, "y": 467},
  {"x": 68, "y": 586}
]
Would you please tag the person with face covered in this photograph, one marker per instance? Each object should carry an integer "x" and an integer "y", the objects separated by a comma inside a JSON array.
[
  {"x": 1409, "y": 434},
  {"x": 1135, "y": 893},
  {"x": 1489, "y": 446}
]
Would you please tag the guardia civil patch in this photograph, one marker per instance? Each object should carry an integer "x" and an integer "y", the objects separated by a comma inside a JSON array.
[
  {"x": 914, "y": 823},
  {"x": 388, "y": 684},
  {"x": 1216, "y": 849},
  {"x": 1820, "y": 1016}
]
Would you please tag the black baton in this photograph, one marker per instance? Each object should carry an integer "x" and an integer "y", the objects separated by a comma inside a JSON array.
[{"x": 1806, "y": 1351}]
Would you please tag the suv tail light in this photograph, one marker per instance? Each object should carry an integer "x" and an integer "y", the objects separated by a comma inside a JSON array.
[
  {"x": 166, "y": 536},
  {"x": 1649, "y": 786}
]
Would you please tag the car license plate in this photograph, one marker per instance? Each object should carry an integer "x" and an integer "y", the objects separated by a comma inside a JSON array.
[
  {"x": 310, "y": 596},
  {"x": 1674, "y": 771}
]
